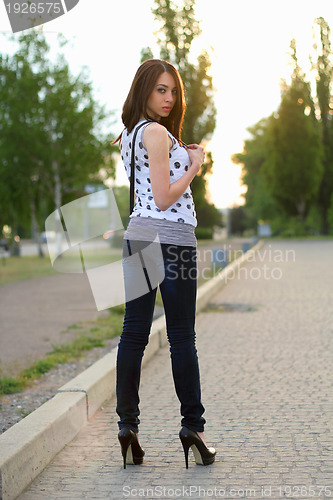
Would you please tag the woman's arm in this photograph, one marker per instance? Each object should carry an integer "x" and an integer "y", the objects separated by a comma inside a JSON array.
[{"x": 157, "y": 142}]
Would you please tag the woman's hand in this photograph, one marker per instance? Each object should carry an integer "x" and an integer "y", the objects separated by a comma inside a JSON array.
[
  {"x": 157, "y": 142},
  {"x": 197, "y": 156}
]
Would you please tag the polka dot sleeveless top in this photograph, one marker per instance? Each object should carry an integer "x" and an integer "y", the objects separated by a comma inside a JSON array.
[{"x": 182, "y": 211}]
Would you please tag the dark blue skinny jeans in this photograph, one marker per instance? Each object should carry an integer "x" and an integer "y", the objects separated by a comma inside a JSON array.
[{"x": 178, "y": 291}]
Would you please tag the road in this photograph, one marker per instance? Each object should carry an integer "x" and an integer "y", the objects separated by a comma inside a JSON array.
[
  {"x": 35, "y": 314},
  {"x": 266, "y": 386}
]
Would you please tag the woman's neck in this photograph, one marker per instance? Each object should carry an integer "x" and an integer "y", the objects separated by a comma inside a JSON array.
[{"x": 149, "y": 118}]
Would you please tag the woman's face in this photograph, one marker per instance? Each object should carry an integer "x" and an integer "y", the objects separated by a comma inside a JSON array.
[{"x": 163, "y": 97}]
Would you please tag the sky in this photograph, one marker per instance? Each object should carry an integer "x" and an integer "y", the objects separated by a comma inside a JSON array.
[{"x": 248, "y": 42}]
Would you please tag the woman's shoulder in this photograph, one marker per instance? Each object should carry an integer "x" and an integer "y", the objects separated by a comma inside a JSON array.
[
  {"x": 155, "y": 128},
  {"x": 154, "y": 133}
]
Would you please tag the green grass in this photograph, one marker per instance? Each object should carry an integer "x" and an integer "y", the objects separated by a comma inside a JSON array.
[
  {"x": 92, "y": 334},
  {"x": 22, "y": 268},
  {"x": 10, "y": 385}
]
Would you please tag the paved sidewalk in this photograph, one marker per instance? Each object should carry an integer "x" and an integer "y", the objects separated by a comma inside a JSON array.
[
  {"x": 266, "y": 361},
  {"x": 35, "y": 313}
]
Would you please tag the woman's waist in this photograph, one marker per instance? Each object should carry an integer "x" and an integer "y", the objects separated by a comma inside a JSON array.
[{"x": 167, "y": 231}]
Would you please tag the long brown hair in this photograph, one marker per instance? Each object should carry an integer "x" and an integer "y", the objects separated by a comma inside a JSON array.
[{"x": 142, "y": 86}]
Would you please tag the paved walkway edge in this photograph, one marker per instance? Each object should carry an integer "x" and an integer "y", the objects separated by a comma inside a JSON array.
[{"x": 28, "y": 446}]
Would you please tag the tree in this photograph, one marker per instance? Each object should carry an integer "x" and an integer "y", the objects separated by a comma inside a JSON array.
[
  {"x": 207, "y": 214},
  {"x": 75, "y": 153},
  {"x": 330, "y": 216},
  {"x": 50, "y": 137},
  {"x": 282, "y": 161},
  {"x": 122, "y": 195},
  {"x": 294, "y": 166},
  {"x": 259, "y": 204},
  {"x": 179, "y": 28},
  {"x": 237, "y": 220},
  {"x": 21, "y": 138},
  {"x": 324, "y": 83}
]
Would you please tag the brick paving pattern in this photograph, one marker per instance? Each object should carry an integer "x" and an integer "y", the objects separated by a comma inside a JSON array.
[{"x": 265, "y": 354}]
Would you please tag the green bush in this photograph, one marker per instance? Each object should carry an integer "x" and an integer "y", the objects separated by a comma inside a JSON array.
[
  {"x": 294, "y": 227},
  {"x": 288, "y": 227},
  {"x": 204, "y": 233}
]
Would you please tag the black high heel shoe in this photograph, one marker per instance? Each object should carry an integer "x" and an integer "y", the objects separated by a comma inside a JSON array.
[
  {"x": 130, "y": 449},
  {"x": 202, "y": 454}
]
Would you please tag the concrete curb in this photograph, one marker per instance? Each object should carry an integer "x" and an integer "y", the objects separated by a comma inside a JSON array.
[{"x": 27, "y": 447}]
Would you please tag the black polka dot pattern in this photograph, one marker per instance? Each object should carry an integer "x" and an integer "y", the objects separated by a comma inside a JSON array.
[{"x": 182, "y": 210}]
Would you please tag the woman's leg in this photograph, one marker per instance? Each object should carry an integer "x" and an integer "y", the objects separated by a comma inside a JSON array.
[
  {"x": 179, "y": 298},
  {"x": 133, "y": 340}
]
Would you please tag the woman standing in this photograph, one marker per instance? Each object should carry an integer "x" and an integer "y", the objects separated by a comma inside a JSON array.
[{"x": 164, "y": 168}]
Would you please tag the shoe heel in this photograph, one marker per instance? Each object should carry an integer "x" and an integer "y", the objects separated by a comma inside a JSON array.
[
  {"x": 124, "y": 457},
  {"x": 125, "y": 444},
  {"x": 202, "y": 454},
  {"x": 131, "y": 451},
  {"x": 186, "y": 447}
]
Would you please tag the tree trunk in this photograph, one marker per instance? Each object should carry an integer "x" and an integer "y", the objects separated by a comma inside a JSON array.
[
  {"x": 301, "y": 210},
  {"x": 35, "y": 228},
  {"x": 57, "y": 202},
  {"x": 324, "y": 221}
]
